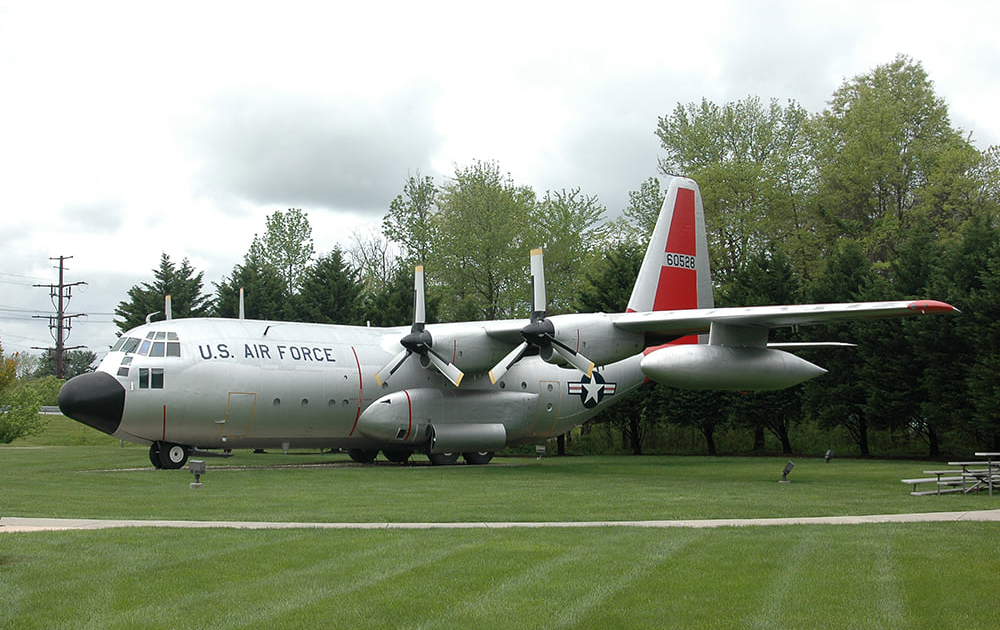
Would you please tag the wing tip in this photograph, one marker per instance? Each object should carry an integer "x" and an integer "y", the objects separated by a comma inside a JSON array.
[{"x": 932, "y": 306}]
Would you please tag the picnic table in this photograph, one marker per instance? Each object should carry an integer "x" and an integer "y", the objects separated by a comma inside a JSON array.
[
  {"x": 990, "y": 458},
  {"x": 983, "y": 476}
]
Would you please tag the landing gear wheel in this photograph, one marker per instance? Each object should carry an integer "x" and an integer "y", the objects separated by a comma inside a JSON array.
[
  {"x": 154, "y": 455},
  {"x": 478, "y": 458},
  {"x": 443, "y": 459},
  {"x": 362, "y": 455},
  {"x": 398, "y": 457},
  {"x": 167, "y": 456}
]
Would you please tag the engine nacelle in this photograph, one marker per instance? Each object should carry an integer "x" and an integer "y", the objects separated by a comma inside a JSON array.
[
  {"x": 445, "y": 419},
  {"x": 697, "y": 366}
]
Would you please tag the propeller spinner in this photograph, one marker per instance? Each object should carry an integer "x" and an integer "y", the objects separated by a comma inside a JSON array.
[
  {"x": 540, "y": 332},
  {"x": 419, "y": 342}
]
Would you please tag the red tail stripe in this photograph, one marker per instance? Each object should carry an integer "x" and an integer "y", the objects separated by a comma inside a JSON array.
[{"x": 678, "y": 287}]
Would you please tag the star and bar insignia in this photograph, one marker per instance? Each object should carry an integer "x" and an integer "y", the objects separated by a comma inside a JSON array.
[{"x": 592, "y": 390}]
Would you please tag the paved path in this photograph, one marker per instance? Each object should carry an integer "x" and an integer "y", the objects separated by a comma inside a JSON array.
[{"x": 15, "y": 524}]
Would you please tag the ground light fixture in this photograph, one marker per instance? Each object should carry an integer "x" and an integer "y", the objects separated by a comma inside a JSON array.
[
  {"x": 197, "y": 468},
  {"x": 784, "y": 473}
]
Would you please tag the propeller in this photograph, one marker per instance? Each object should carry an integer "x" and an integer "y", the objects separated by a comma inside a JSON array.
[
  {"x": 419, "y": 342},
  {"x": 540, "y": 332}
]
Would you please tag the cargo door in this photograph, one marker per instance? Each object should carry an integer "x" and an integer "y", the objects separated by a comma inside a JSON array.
[{"x": 240, "y": 409}]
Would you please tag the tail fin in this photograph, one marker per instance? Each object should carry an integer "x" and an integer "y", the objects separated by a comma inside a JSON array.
[{"x": 675, "y": 271}]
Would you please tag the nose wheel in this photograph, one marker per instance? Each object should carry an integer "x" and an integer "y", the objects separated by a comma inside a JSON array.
[{"x": 168, "y": 456}]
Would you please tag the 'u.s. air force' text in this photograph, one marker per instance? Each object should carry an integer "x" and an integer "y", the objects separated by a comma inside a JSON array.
[{"x": 315, "y": 354}]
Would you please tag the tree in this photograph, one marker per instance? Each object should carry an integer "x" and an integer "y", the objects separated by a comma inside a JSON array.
[
  {"x": 840, "y": 397},
  {"x": 74, "y": 362},
  {"x": 330, "y": 293},
  {"x": 644, "y": 207},
  {"x": 607, "y": 289},
  {"x": 887, "y": 158},
  {"x": 767, "y": 278},
  {"x": 264, "y": 291},
  {"x": 286, "y": 245},
  {"x": 182, "y": 284},
  {"x": 751, "y": 163},
  {"x": 410, "y": 222},
  {"x": 373, "y": 256},
  {"x": 571, "y": 228},
  {"x": 19, "y": 404},
  {"x": 484, "y": 232},
  {"x": 391, "y": 304},
  {"x": 960, "y": 369}
]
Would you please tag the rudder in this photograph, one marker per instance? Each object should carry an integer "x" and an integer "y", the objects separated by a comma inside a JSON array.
[{"x": 675, "y": 271}]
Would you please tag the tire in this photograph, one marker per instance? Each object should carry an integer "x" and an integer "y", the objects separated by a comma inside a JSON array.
[
  {"x": 478, "y": 458},
  {"x": 172, "y": 456},
  {"x": 443, "y": 459},
  {"x": 154, "y": 455},
  {"x": 362, "y": 455},
  {"x": 398, "y": 457}
]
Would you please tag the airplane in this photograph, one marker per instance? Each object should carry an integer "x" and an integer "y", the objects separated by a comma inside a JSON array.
[{"x": 207, "y": 386}]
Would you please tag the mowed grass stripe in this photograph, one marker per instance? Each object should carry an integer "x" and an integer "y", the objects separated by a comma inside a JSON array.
[
  {"x": 111, "y": 482},
  {"x": 792, "y": 576}
]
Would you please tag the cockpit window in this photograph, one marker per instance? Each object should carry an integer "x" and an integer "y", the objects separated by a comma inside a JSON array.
[
  {"x": 130, "y": 345},
  {"x": 155, "y": 344}
]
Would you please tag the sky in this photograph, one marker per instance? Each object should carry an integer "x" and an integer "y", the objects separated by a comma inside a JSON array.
[{"x": 133, "y": 129}]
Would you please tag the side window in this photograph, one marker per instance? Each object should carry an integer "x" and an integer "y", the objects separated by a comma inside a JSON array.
[{"x": 150, "y": 378}]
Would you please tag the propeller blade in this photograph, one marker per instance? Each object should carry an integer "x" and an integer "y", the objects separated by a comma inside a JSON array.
[
  {"x": 392, "y": 366},
  {"x": 419, "y": 316},
  {"x": 513, "y": 357},
  {"x": 449, "y": 370},
  {"x": 576, "y": 359},
  {"x": 537, "y": 284}
]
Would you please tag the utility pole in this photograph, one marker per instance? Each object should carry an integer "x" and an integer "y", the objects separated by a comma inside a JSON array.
[{"x": 61, "y": 323}]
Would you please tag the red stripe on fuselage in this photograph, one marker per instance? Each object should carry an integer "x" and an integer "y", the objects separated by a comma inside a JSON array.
[
  {"x": 361, "y": 391},
  {"x": 409, "y": 415}
]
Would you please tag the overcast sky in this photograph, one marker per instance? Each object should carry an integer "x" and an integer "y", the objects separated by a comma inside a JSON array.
[{"x": 127, "y": 131}]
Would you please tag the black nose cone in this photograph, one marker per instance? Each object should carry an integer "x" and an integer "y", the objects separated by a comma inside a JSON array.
[{"x": 96, "y": 399}]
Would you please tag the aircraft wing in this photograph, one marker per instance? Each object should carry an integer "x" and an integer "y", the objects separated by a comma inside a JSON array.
[{"x": 699, "y": 321}]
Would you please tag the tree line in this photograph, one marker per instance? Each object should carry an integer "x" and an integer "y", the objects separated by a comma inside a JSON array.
[{"x": 876, "y": 197}]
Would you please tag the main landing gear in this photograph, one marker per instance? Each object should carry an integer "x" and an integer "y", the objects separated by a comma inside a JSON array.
[
  {"x": 168, "y": 456},
  {"x": 402, "y": 456}
]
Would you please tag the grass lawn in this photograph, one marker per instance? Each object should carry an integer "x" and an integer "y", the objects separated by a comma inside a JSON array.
[{"x": 930, "y": 575}]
